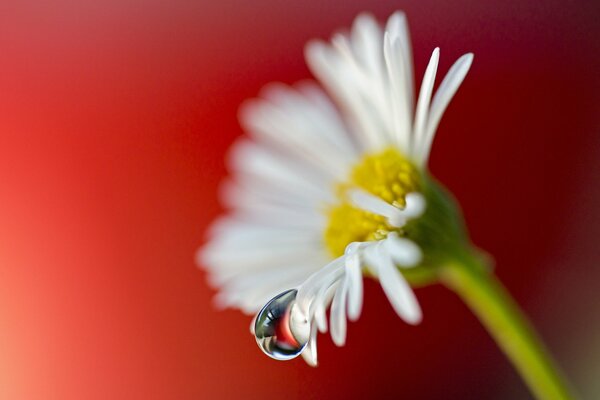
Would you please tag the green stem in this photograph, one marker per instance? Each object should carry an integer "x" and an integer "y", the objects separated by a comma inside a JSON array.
[{"x": 506, "y": 323}]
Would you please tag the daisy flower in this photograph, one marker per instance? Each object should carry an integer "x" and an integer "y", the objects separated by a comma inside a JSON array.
[
  {"x": 331, "y": 184},
  {"x": 324, "y": 189}
]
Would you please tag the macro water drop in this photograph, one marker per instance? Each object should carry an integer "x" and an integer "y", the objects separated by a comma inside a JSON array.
[{"x": 280, "y": 329}]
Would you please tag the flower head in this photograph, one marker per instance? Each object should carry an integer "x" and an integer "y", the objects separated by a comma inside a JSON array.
[{"x": 325, "y": 189}]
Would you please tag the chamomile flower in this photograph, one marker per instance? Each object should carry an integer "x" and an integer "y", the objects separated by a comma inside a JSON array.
[{"x": 330, "y": 185}]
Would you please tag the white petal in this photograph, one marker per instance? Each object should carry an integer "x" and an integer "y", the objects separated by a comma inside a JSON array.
[
  {"x": 239, "y": 230},
  {"x": 397, "y": 28},
  {"x": 405, "y": 253},
  {"x": 270, "y": 207},
  {"x": 313, "y": 284},
  {"x": 397, "y": 290},
  {"x": 367, "y": 43},
  {"x": 355, "y": 289},
  {"x": 262, "y": 167},
  {"x": 278, "y": 127},
  {"x": 442, "y": 98},
  {"x": 279, "y": 217},
  {"x": 415, "y": 205},
  {"x": 241, "y": 192},
  {"x": 340, "y": 77},
  {"x": 328, "y": 119},
  {"x": 372, "y": 93},
  {"x": 425, "y": 98},
  {"x": 310, "y": 352},
  {"x": 241, "y": 236},
  {"x": 227, "y": 262},
  {"x": 399, "y": 101},
  {"x": 368, "y": 202},
  {"x": 252, "y": 291},
  {"x": 227, "y": 257},
  {"x": 338, "y": 314},
  {"x": 308, "y": 113},
  {"x": 321, "y": 302}
]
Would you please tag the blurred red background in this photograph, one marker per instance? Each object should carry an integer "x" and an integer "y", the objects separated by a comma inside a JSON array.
[{"x": 114, "y": 119}]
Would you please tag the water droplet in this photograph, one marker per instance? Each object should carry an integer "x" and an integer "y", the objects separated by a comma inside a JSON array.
[{"x": 280, "y": 329}]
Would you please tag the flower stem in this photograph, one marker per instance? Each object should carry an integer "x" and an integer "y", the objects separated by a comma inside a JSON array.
[{"x": 506, "y": 323}]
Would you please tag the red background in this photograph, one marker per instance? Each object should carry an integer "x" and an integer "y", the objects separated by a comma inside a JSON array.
[{"x": 114, "y": 119}]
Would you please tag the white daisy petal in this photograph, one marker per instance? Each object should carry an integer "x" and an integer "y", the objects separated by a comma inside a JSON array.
[
  {"x": 278, "y": 237},
  {"x": 266, "y": 169},
  {"x": 397, "y": 28},
  {"x": 278, "y": 217},
  {"x": 254, "y": 290},
  {"x": 405, "y": 253},
  {"x": 371, "y": 90},
  {"x": 376, "y": 205},
  {"x": 325, "y": 117},
  {"x": 219, "y": 277},
  {"x": 442, "y": 98},
  {"x": 397, "y": 290},
  {"x": 398, "y": 101},
  {"x": 224, "y": 267},
  {"x": 266, "y": 121},
  {"x": 342, "y": 80},
  {"x": 235, "y": 230},
  {"x": 241, "y": 193},
  {"x": 322, "y": 301},
  {"x": 338, "y": 314},
  {"x": 303, "y": 118},
  {"x": 415, "y": 205},
  {"x": 310, "y": 352},
  {"x": 366, "y": 41},
  {"x": 245, "y": 277},
  {"x": 314, "y": 283},
  {"x": 248, "y": 203},
  {"x": 366, "y": 38},
  {"x": 355, "y": 291},
  {"x": 425, "y": 98},
  {"x": 258, "y": 255}
]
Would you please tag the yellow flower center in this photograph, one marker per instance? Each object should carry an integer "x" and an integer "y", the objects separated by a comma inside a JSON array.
[{"x": 388, "y": 175}]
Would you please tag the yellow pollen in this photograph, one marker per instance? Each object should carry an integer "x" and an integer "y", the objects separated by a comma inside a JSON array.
[{"x": 388, "y": 175}]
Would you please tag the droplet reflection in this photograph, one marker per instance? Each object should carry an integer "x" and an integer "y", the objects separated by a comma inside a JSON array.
[{"x": 280, "y": 331}]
